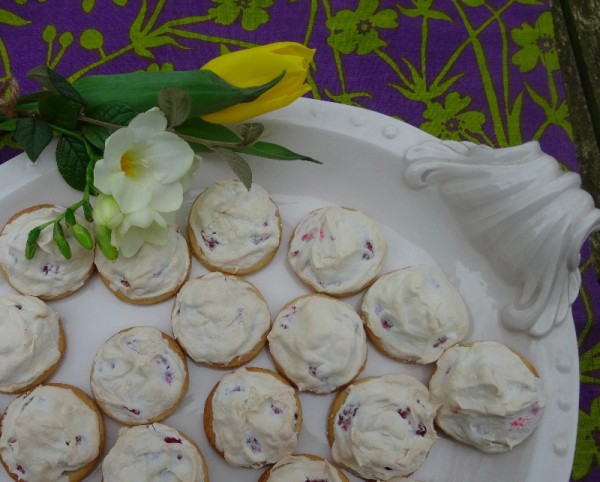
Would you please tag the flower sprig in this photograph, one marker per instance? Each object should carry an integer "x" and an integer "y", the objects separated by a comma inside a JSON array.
[{"x": 132, "y": 140}]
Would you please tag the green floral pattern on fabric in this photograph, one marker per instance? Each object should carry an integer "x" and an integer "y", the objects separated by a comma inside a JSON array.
[
  {"x": 452, "y": 121},
  {"x": 254, "y": 13},
  {"x": 357, "y": 30},
  {"x": 537, "y": 45}
]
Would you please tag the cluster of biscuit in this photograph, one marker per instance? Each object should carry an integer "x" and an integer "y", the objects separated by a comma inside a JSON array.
[{"x": 379, "y": 428}]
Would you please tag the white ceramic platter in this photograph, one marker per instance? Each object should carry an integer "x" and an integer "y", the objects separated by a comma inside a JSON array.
[{"x": 362, "y": 154}]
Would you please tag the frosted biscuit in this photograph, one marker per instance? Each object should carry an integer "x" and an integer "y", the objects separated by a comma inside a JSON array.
[
  {"x": 303, "y": 468},
  {"x": 233, "y": 229},
  {"x": 382, "y": 427},
  {"x": 414, "y": 314},
  {"x": 32, "y": 342},
  {"x": 490, "y": 397},
  {"x": 48, "y": 275},
  {"x": 54, "y": 433},
  {"x": 139, "y": 376},
  {"x": 337, "y": 251},
  {"x": 252, "y": 417},
  {"x": 154, "y": 452},
  {"x": 318, "y": 343},
  {"x": 220, "y": 320},
  {"x": 155, "y": 273}
]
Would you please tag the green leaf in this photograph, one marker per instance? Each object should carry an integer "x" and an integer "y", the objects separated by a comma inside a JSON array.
[
  {"x": 33, "y": 135},
  {"x": 33, "y": 97},
  {"x": 96, "y": 135},
  {"x": 176, "y": 104},
  {"x": 54, "y": 82},
  {"x": 103, "y": 237},
  {"x": 59, "y": 110},
  {"x": 115, "y": 112},
  {"x": 209, "y": 92},
  {"x": 8, "y": 125},
  {"x": 251, "y": 132},
  {"x": 238, "y": 165},
  {"x": 531, "y": 2},
  {"x": 9, "y": 18},
  {"x": 202, "y": 130},
  {"x": 72, "y": 160},
  {"x": 274, "y": 151}
]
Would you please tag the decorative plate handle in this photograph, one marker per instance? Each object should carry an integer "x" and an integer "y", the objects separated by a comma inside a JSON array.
[{"x": 523, "y": 212}]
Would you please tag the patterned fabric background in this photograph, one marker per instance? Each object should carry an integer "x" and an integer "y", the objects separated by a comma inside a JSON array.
[{"x": 479, "y": 70}]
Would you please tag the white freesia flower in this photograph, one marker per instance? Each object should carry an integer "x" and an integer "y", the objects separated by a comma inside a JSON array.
[{"x": 143, "y": 172}]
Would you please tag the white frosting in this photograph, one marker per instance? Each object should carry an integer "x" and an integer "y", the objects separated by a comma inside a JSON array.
[
  {"x": 29, "y": 344},
  {"x": 385, "y": 427},
  {"x": 301, "y": 468},
  {"x": 488, "y": 396},
  {"x": 156, "y": 453},
  {"x": 415, "y": 313},
  {"x": 319, "y": 342},
  {"x": 48, "y": 273},
  {"x": 48, "y": 433},
  {"x": 235, "y": 228},
  {"x": 337, "y": 250},
  {"x": 153, "y": 271},
  {"x": 218, "y": 317},
  {"x": 254, "y": 418},
  {"x": 137, "y": 376}
]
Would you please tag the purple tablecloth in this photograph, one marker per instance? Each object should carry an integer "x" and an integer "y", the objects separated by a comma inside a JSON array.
[{"x": 479, "y": 70}]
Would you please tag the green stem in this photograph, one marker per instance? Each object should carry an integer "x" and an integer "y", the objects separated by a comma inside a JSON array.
[
  {"x": 590, "y": 317},
  {"x": 388, "y": 60},
  {"x": 336, "y": 54},
  {"x": 183, "y": 21},
  {"x": 504, "y": 38},
  {"x": 454, "y": 58},
  {"x": 488, "y": 85},
  {"x": 102, "y": 61},
  {"x": 311, "y": 20},
  {"x": 152, "y": 20},
  {"x": 424, "y": 38},
  {"x": 5, "y": 59},
  {"x": 541, "y": 129},
  {"x": 209, "y": 38}
]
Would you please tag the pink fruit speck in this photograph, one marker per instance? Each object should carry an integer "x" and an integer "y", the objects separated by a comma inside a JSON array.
[
  {"x": 404, "y": 412},
  {"x": 387, "y": 324},
  {"x": 276, "y": 410},
  {"x": 440, "y": 341},
  {"x": 172, "y": 440},
  {"x": 307, "y": 236},
  {"x": 254, "y": 445},
  {"x": 421, "y": 430}
]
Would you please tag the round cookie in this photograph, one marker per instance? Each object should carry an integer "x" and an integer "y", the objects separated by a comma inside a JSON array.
[
  {"x": 414, "y": 314},
  {"x": 490, "y": 397},
  {"x": 303, "y": 468},
  {"x": 155, "y": 273},
  {"x": 32, "y": 342},
  {"x": 48, "y": 275},
  {"x": 233, "y": 229},
  {"x": 220, "y": 320},
  {"x": 53, "y": 433},
  {"x": 153, "y": 452},
  {"x": 382, "y": 427},
  {"x": 318, "y": 343},
  {"x": 337, "y": 251},
  {"x": 252, "y": 417},
  {"x": 139, "y": 376}
]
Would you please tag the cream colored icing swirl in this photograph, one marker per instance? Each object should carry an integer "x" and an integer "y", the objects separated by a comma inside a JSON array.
[
  {"x": 319, "y": 342},
  {"x": 337, "y": 250},
  {"x": 137, "y": 376},
  {"x": 385, "y": 428},
  {"x": 29, "y": 344},
  {"x": 415, "y": 313},
  {"x": 254, "y": 418},
  {"x": 153, "y": 271},
  {"x": 489, "y": 398},
  {"x": 48, "y": 273},
  {"x": 156, "y": 453},
  {"x": 235, "y": 228},
  {"x": 301, "y": 468},
  {"x": 219, "y": 317},
  {"x": 48, "y": 433}
]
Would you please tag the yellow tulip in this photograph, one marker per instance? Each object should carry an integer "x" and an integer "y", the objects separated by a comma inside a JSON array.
[{"x": 257, "y": 66}]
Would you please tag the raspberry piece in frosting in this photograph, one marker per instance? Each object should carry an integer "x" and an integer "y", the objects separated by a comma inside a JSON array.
[{"x": 304, "y": 468}]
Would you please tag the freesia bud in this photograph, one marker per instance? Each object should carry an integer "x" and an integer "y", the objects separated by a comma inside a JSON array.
[
  {"x": 107, "y": 212},
  {"x": 257, "y": 66}
]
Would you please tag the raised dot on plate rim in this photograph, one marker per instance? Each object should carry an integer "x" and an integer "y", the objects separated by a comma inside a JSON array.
[
  {"x": 563, "y": 363},
  {"x": 357, "y": 121},
  {"x": 559, "y": 446},
  {"x": 390, "y": 132},
  {"x": 564, "y": 401}
]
